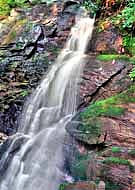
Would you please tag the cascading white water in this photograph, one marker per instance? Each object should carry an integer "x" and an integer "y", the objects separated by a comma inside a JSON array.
[{"x": 36, "y": 166}]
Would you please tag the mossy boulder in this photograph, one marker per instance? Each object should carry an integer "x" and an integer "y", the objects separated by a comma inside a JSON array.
[
  {"x": 79, "y": 186},
  {"x": 97, "y": 118}
]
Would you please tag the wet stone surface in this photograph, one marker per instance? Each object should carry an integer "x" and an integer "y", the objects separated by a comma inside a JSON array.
[{"x": 29, "y": 46}]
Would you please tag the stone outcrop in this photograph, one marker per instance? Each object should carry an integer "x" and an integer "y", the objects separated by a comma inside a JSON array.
[
  {"x": 100, "y": 79},
  {"x": 30, "y": 40},
  {"x": 86, "y": 186},
  {"x": 107, "y": 40}
]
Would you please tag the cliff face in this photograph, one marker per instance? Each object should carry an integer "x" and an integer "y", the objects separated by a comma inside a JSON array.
[{"x": 30, "y": 40}]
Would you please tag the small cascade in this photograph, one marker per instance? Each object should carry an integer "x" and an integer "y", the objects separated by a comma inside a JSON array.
[{"x": 37, "y": 164}]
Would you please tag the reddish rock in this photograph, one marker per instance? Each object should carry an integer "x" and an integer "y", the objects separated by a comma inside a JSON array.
[
  {"x": 103, "y": 79},
  {"x": 121, "y": 130},
  {"x": 119, "y": 174},
  {"x": 101, "y": 185},
  {"x": 81, "y": 186},
  {"x": 109, "y": 40}
]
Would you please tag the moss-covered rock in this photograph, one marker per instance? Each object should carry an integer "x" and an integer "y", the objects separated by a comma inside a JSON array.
[
  {"x": 96, "y": 118},
  {"x": 79, "y": 186},
  {"x": 110, "y": 185},
  {"x": 116, "y": 160},
  {"x": 111, "y": 57}
]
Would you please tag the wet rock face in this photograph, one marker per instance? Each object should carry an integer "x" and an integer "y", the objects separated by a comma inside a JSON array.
[
  {"x": 102, "y": 79},
  {"x": 30, "y": 42},
  {"x": 107, "y": 41},
  {"x": 86, "y": 186},
  {"x": 82, "y": 186},
  {"x": 111, "y": 124},
  {"x": 9, "y": 118},
  {"x": 120, "y": 175},
  {"x": 14, "y": 142},
  {"x": 107, "y": 126},
  {"x": 121, "y": 129}
]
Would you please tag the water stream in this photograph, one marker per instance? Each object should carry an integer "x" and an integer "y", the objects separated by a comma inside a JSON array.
[{"x": 37, "y": 164}]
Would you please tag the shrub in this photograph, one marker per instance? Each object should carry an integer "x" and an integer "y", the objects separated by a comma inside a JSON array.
[
  {"x": 4, "y": 7},
  {"x": 126, "y": 18},
  {"x": 91, "y": 6},
  {"x": 132, "y": 74},
  {"x": 7, "y": 5},
  {"x": 129, "y": 44}
]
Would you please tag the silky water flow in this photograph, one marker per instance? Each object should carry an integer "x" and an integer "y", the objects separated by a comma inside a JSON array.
[{"x": 36, "y": 165}]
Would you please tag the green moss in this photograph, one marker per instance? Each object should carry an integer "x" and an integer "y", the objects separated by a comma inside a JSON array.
[
  {"x": 102, "y": 108},
  {"x": 132, "y": 152},
  {"x": 132, "y": 74},
  {"x": 109, "y": 106},
  {"x": 116, "y": 160},
  {"x": 90, "y": 129},
  {"x": 132, "y": 60},
  {"x": 55, "y": 50},
  {"x": 111, "y": 57},
  {"x": 116, "y": 149},
  {"x": 109, "y": 185},
  {"x": 79, "y": 167},
  {"x": 24, "y": 93},
  {"x": 62, "y": 186},
  {"x": 13, "y": 34},
  {"x": 14, "y": 31}
]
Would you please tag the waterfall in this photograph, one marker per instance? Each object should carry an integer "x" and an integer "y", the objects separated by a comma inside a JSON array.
[{"x": 37, "y": 164}]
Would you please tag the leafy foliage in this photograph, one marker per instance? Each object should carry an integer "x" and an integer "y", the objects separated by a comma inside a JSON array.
[
  {"x": 91, "y": 6},
  {"x": 132, "y": 74},
  {"x": 15, "y": 3},
  {"x": 129, "y": 44},
  {"x": 4, "y": 7},
  {"x": 126, "y": 18},
  {"x": 7, "y": 5}
]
